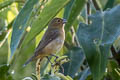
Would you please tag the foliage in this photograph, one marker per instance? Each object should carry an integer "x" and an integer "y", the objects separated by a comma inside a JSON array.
[{"x": 92, "y": 39}]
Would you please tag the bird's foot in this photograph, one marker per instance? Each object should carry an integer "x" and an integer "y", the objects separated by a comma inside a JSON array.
[
  {"x": 58, "y": 64},
  {"x": 59, "y": 61},
  {"x": 50, "y": 61},
  {"x": 56, "y": 57}
]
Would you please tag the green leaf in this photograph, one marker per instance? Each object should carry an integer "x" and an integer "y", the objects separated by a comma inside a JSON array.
[
  {"x": 76, "y": 57},
  {"x": 49, "y": 11},
  {"x": 68, "y": 8},
  {"x": 3, "y": 54},
  {"x": 111, "y": 25},
  {"x": 75, "y": 11},
  {"x": 6, "y": 3},
  {"x": 109, "y": 4},
  {"x": 19, "y": 60},
  {"x": 97, "y": 37},
  {"x": 85, "y": 74},
  {"x": 4, "y": 75},
  {"x": 20, "y": 24}
]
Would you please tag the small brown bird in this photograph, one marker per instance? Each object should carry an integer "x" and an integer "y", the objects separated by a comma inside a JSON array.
[{"x": 52, "y": 40}]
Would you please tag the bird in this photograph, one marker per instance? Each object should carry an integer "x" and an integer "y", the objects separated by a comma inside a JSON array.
[{"x": 51, "y": 42}]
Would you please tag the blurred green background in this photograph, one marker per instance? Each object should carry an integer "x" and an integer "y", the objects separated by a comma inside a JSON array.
[{"x": 92, "y": 41}]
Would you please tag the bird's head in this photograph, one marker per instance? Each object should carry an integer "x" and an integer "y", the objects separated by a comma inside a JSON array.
[{"x": 57, "y": 23}]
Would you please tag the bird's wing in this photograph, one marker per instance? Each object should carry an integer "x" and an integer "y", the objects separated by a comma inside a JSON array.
[{"x": 47, "y": 38}]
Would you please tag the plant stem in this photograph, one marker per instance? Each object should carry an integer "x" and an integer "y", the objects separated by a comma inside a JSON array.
[{"x": 38, "y": 69}]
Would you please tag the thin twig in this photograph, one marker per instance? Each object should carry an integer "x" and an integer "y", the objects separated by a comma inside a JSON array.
[
  {"x": 96, "y": 5},
  {"x": 88, "y": 11},
  {"x": 38, "y": 69},
  {"x": 75, "y": 39}
]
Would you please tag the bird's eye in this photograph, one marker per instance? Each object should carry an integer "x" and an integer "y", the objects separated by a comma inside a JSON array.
[{"x": 58, "y": 20}]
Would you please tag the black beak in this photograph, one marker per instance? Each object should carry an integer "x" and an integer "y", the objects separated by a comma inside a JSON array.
[{"x": 64, "y": 21}]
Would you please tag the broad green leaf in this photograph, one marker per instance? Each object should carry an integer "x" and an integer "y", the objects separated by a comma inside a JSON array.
[
  {"x": 117, "y": 2},
  {"x": 49, "y": 11},
  {"x": 68, "y": 8},
  {"x": 3, "y": 32},
  {"x": 19, "y": 60},
  {"x": 20, "y": 24},
  {"x": 75, "y": 11},
  {"x": 61, "y": 12},
  {"x": 2, "y": 36},
  {"x": 97, "y": 37},
  {"x": 111, "y": 25},
  {"x": 86, "y": 35},
  {"x": 4, "y": 75},
  {"x": 76, "y": 57},
  {"x": 102, "y": 3},
  {"x": 6, "y": 3},
  {"x": 109, "y": 4},
  {"x": 85, "y": 74},
  {"x": 69, "y": 37},
  {"x": 3, "y": 53}
]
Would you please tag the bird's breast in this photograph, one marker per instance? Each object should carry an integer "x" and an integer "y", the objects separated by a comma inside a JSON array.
[{"x": 54, "y": 46}]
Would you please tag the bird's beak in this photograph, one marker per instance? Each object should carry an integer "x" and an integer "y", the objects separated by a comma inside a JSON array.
[{"x": 64, "y": 21}]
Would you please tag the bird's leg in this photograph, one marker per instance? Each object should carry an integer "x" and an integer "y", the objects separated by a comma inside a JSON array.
[
  {"x": 60, "y": 65},
  {"x": 55, "y": 57},
  {"x": 49, "y": 61},
  {"x": 60, "y": 61}
]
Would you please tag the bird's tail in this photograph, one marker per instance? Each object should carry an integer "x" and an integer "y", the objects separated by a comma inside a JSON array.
[{"x": 28, "y": 61}]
